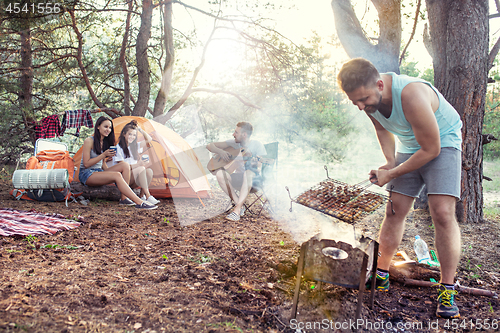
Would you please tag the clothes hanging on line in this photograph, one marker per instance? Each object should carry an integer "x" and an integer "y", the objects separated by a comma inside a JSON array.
[
  {"x": 48, "y": 127},
  {"x": 76, "y": 118}
]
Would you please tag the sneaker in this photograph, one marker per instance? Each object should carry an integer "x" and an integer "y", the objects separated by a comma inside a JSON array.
[
  {"x": 382, "y": 283},
  {"x": 446, "y": 303},
  {"x": 126, "y": 202},
  {"x": 233, "y": 217},
  {"x": 146, "y": 205},
  {"x": 153, "y": 200}
]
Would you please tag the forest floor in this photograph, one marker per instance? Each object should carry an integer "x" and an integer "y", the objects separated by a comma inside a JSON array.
[{"x": 125, "y": 270}]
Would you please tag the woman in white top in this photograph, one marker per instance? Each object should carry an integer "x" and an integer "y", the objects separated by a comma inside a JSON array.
[
  {"x": 94, "y": 170},
  {"x": 128, "y": 151}
]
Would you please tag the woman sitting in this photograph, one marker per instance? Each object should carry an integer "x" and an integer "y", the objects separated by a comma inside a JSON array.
[
  {"x": 128, "y": 151},
  {"x": 95, "y": 172}
]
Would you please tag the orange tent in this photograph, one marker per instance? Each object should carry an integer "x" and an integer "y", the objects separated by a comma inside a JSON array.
[{"x": 177, "y": 172}]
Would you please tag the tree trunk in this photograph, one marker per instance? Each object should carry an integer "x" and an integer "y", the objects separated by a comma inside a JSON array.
[
  {"x": 166, "y": 79},
  {"x": 26, "y": 80},
  {"x": 459, "y": 34},
  {"x": 141, "y": 54},
  {"x": 385, "y": 54}
]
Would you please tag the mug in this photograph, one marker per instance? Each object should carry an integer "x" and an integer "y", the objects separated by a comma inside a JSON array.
[
  {"x": 113, "y": 148},
  {"x": 145, "y": 158}
]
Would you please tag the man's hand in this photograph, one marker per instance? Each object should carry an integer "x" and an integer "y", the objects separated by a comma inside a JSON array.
[
  {"x": 226, "y": 156},
  {"x": 380, "y": 176}
]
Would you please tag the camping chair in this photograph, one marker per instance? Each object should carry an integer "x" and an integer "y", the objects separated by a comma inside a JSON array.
[
  {"x": 269, "y": 173},
  {"x": 44, "y": 144}
]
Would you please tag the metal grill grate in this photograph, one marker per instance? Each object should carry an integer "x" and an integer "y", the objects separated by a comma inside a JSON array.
[{"x": 345, "y": 202}]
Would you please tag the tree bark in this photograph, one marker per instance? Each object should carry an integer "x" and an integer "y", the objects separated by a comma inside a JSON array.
[
  {"x": 166, "y": 79},
  {"x": 385, "y": 54},
  {"x": 459, "y": 34},
  {"x": 26, "y": 80},
  {"x": 141, "y": 54},
  {"x": 105, "y": 192}
]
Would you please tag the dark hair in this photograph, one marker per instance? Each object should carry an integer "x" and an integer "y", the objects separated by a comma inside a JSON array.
[
  {"x": 247, "y": 127},
  {"x": 124, "y": 144},
  {"x": 357, "y": 73},
  {"x": 107, "y": 141}
]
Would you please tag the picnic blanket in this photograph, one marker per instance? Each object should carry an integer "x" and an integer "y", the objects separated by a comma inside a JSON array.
[{"x": 15, "y": 222}]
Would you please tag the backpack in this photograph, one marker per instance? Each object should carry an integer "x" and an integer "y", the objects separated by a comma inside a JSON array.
[
  {"x": 52, "y": 159},
  {"x": 57, "y": 189}
]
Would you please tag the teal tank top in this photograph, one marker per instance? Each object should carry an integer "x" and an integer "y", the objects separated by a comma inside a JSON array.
[{"x": 447, "y": 118}]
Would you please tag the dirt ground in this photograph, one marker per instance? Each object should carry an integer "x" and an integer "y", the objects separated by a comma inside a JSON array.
[{"x": 125, "y": 270}]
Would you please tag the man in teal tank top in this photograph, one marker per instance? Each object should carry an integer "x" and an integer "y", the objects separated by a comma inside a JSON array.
[{"x": 428, "y": 153}]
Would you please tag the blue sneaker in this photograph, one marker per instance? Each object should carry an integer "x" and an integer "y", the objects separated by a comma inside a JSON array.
[
  {"x": 446, "y": 303},
  {"x": 381, "y": 283},
  {"x": 126, "y": 202},
  {"x": 146, "y": 205}
]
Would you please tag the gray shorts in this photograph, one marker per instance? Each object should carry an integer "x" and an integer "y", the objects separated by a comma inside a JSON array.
[
  {"x": 237, "y": 180},
  {"x": 442, "y": 175}
]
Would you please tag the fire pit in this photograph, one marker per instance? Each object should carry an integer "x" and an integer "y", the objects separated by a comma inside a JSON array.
[
  {"x": 339, "y": 263},
  {"x": 336, "y": 261},
  {"x": 345, "y": 202}
]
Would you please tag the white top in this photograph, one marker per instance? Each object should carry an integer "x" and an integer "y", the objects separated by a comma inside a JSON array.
[{"x": 120, "y": 156}]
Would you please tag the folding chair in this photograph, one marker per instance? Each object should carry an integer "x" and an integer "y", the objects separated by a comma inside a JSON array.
[
  {"x": 269, "y": 173},
  {"x": 44, "y": 144}
]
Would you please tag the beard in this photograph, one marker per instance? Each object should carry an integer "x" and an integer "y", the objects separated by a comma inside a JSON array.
[{"x": 372, "y": 108}]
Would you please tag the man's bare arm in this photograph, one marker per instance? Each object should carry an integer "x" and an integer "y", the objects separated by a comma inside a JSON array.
[
  {"x": 387, "y": 143},
  {"x": 218, "y": 148},
  {"x": 417, "y": 107}
]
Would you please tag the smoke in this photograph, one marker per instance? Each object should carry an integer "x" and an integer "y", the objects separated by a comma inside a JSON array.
[{"x": 298, "y": 170}]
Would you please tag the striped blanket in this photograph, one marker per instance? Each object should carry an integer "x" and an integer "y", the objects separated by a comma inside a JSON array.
[{"x": 15, "y": 222}]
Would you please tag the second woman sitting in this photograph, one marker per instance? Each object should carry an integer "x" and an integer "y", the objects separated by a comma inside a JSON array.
[
  {"x": 95, "y": 172},
  {"x": 128, "y": 151}
]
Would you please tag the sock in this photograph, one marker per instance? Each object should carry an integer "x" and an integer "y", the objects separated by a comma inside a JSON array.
[
  {"x": 382, "y": 272},
  {"x": 449, "y": 286}
]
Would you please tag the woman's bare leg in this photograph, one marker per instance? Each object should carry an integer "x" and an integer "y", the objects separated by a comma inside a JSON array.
[
  {"x": 142, "y": 180},
  {"x": 108, "y": 177},
  {"x": 124, "y": 169}
]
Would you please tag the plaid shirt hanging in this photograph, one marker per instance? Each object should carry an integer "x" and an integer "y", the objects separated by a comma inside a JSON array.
[
  {"x": 50, "y": 127},
  {"x": 77, "y": 118}
]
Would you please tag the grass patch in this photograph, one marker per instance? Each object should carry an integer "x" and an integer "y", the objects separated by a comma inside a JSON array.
[
  {"x": 492, "y": 211},
  {"x": 492, "y": 170}
]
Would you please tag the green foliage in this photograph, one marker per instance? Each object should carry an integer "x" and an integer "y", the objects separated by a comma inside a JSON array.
[
  {"x": 301, "y": 104},
  {"x": 293, "y": 84},
  {"x": 410, "y": 69},
  {"x": 491, "y": 122}
]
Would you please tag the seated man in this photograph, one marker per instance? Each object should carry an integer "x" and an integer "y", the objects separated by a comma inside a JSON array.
[{"x": 246, "y": 170}]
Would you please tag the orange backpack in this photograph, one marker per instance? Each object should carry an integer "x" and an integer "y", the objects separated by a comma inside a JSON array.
[{"x": 52, "y": 159}]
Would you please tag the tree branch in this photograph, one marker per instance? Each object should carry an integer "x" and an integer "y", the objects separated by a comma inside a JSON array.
[
  {"x": 428, "y": 41},
  {"x": 493, "y": 53},
  {"x": 82, "y": 67},
  {"x": 349, "y": 30},
  {"x": 123, "y": 62},
  {"x": 417, "y": 13}
]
